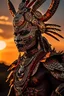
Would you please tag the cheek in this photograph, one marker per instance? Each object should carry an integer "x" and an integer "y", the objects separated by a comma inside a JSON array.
[{"x": 30, "y": 37}]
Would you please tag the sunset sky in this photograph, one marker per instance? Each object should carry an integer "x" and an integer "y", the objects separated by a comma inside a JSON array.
[{"x": 10, "y": 53}]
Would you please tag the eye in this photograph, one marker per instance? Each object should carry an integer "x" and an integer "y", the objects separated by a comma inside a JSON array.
[{"x": 24, "y": 32}]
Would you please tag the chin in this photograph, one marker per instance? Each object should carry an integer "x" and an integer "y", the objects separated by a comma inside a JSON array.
[
  {"x": 21, "y": 49},
  {"x": 26, "y": 47}
]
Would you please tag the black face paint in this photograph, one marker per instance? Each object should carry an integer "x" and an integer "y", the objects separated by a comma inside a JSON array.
[{"x": 24, "y": 32}]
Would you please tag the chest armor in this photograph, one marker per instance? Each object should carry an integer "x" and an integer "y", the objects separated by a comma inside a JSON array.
[
  {"x": 21, "y": 76},
  {"x": 37, "y": 83}
]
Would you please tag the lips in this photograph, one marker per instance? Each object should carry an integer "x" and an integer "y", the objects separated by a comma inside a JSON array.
[
  {"x": 19, "y": 45},
  {"x": 22, "y": 48}
]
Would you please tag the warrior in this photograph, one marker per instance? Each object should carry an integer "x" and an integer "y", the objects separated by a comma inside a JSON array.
[{"x": 40, "y": 71}]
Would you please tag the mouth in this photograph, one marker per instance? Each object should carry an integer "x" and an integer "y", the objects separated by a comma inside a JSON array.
[
  {"x": 23, "y": 48},
  {"x": 19, "y": 45}
]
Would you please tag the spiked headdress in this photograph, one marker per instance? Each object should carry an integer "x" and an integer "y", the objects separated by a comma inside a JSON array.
[{"x": 34, "y": 5}]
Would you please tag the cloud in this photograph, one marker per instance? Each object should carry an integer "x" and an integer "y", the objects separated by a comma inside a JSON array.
[
  {"x": 5, "y": 23},
  {"x": 4, "y": 18},
  {"x": 7, "y": 32},
  {"x": 1, "y": 30}
]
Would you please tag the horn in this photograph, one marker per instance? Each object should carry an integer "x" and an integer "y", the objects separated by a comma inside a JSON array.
[
  {"x": 31, "y": 3},
  {"x": 37, "y": 5},
  {"x": 51, "y": 10},
  {"x": 11, "y": 8}
]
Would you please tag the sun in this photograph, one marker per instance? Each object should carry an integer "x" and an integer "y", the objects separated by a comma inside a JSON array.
[{"x": 2, "y": 44}]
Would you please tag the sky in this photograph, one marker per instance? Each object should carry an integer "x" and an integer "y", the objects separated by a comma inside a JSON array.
[{"x": 10, "y": 53}]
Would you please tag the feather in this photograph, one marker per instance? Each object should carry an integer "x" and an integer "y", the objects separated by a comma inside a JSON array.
[
  {"x": 11, "y": 81},
  {"x": 10, "y": 90},
  {"x": 52, "y": 36},
  {"x": 10, "y": 74},
  {"x": 57, "y": 34},
  {"x": 60, "y": 52},
  {"x": 53, "y": 29},
  {"x": 51, "y": 25},
  {"x": 12, "y": 67}
]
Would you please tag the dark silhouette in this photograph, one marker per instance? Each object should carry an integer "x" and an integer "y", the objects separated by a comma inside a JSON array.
[{"x": 4, "y": 87}]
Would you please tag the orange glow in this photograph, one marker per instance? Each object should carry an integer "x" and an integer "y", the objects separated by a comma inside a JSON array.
[
  {"x": 10, "y": 53},
  {"x": 5, "y": 23},
  {"x": 2, "y": 45},
  {"x": 4, "y": 18},
  {"x": 1, "y": 30}
]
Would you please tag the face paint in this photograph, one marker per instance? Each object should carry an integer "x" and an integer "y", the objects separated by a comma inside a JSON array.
[{"x": 24, "y": 31}]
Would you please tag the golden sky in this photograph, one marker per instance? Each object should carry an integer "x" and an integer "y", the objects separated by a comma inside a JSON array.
[{"x": 10, "y": 53}]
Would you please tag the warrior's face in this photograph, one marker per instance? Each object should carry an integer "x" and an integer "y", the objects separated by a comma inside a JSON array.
[
  {"x": 24, "y": 31},
  {"x": 27, "y": 20}
]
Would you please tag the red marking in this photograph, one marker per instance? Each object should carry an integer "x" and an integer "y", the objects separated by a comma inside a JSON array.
[{"x": 30, "y": 37}]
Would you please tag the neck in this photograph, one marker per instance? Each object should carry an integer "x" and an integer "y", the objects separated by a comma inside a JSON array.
[{"x": 31, "y": 52}]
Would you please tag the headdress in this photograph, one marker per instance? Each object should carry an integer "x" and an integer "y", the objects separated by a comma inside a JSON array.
[{"x": 33, "y": 6}]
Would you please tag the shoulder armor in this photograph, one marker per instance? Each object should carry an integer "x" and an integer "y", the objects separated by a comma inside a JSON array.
[
  {"x": 14, "y": 63},
  {"x": 55, "y": 67},
  {"x": 60, "y": 90}
]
